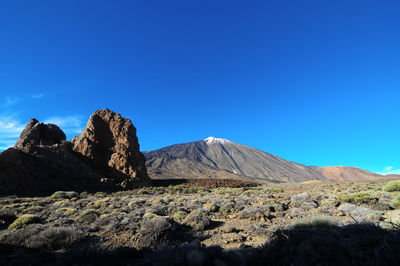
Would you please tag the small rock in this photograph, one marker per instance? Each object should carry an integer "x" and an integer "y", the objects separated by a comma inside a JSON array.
[{"x": 359, "y": 213}]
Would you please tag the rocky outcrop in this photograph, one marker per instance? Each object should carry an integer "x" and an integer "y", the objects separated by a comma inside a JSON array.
[
  {"x": 35, "y": 134},
  {"x": 105, "y": 156},
  {"x": 42, "y": 162},
  {"x": 110, "y": 144},
  {"x": 42, "y": 170}
]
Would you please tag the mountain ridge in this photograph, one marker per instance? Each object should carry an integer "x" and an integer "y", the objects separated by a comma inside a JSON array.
[{"x": 222, "y": 158}]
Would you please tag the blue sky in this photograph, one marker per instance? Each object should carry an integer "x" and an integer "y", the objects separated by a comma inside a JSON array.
[{"x": 315, "y": 82}]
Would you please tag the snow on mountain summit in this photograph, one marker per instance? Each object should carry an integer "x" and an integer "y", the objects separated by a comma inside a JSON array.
[{"x": 212, "y": 140}]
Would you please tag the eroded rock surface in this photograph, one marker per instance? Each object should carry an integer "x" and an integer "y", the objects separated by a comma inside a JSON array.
[
  {"x": 36, "y": 133},
  {"x": 109, "y": 141},
  {"x": 105, "y": 156}
]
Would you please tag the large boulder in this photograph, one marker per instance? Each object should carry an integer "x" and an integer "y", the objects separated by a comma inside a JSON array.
[
  {"x": 110, "y": 144},
  {"x": 105, "y": 156},
  {"x": 36, "y": 133}
]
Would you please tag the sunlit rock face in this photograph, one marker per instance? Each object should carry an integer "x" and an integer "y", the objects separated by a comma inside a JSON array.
[
  {"x": 109, "y": 141},
  {"x": 105, "y": 156}
]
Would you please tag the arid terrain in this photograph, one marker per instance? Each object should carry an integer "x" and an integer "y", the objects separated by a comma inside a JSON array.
[
  {"x": 92, "y": 201},
  {"x": 188, "y": 224}
]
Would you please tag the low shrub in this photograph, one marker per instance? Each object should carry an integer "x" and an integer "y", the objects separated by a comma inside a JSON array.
[
  {"x": 179, "y": 216},
  {"x": 392, "y": 186},
  {"x": 359, "y": 198},
  {"x": 100, "y": 194},
  {"x": 315, "y": 221},
  {"x": 25, "y": 219},
  {"x": 395, "y": 203},
  {"x": 88, "y": 216},
  {"x": 41, "y": 236},
  {"x": 155, "y": 233},
  {"x": 198, "y": 220},
  {"x": 58, "y": 237},
  {"x": 64, "y": 195},
  {"x": 253, "y": 214},
  {"x": 210, "y": 207},
  {"x": 66, "y": 211}
]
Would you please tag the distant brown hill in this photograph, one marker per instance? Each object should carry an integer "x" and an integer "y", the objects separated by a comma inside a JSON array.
[
  {"x": 344, "y": 173},
  {"x": 224, "y": 159}
]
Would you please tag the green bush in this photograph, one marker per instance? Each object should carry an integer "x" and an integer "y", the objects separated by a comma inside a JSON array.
[
  {"x": 210, "y": 207},
  {"x": 396, "y": 202},
  {"x": 315, "y": 221},
  {"x": 392, "y": 186},
  {"x": 198, "y": 220},
  {"x": 64, "y": 195},
  {"x": 25, "y": 219},
  {"x": 88, "y": 216},
  {"x": 38, "y": 236},
  {"x": 359, "y": 198},
  {"x": 180, "y": 216}
]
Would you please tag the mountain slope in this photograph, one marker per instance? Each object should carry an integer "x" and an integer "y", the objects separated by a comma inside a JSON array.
[
  {"x": 343, "y": 173},
  {"x": 221, "y": 158}
]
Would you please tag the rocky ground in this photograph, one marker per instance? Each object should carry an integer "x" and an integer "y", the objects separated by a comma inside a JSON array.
[{"x": 179, "y": 217}]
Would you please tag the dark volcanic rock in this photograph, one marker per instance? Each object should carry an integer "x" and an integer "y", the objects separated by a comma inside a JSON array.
[
  {"x": 105, "y": 156},
  {"x": 36, "y": 133},
  {"x": 43, "y": 170},
  {"x": 109, "y": 141}
]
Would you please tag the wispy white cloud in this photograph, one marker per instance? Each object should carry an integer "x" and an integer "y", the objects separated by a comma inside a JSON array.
[
  {"x": 10, "y": 129},
  {"x": 13, "y": 100},
  {"x": 10, "y": 101},
  {"x": 69, "y": 124},
  {"x": 390, "y": 170},
  {"x": 37, "y": 96}
]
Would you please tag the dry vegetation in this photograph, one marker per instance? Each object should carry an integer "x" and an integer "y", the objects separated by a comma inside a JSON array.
[{"x": 301, "y": 223}]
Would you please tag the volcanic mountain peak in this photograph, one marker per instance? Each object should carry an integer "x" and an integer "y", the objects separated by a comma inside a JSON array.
[
  {"x": 212, "y": 140},
  {"x": 221, "y": 158}
]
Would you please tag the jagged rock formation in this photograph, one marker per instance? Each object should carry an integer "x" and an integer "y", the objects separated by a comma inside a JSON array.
[
  {"x": 110, "y": 142},
  {"x": 36, "y": 133},
  {"x": 105, "y": 156}
]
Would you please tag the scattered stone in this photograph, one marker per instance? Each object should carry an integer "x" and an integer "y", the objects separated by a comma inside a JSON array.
[
  {"x": 303, "y": 200},
  {"x": 360, "y": 214},
  {"x": 295, "y": 213},
  {"x": 300, "y": 198}
]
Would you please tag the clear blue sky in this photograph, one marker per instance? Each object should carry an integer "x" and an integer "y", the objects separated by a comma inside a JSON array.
[{"x": 315, "y": 82}]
